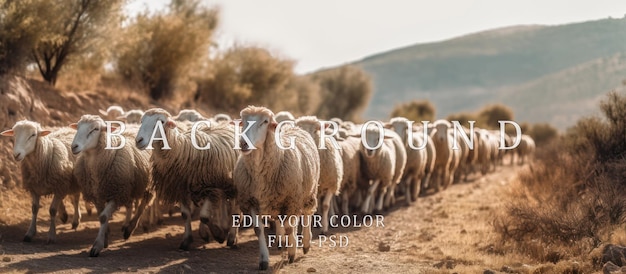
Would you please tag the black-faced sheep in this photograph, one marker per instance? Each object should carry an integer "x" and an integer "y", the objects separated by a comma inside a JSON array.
[
  {"x": 47, "y": 168},
  {"x": 182, "y": 173},
  {"x": 110, "y": 178},
  {"x": 274, "y": 181}
]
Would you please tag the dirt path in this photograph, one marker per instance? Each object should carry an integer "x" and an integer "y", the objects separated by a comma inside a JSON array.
[{"x": 445, "y": 232}]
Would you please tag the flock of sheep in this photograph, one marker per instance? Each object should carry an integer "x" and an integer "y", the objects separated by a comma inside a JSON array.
[{"x": 279, "y": 165}]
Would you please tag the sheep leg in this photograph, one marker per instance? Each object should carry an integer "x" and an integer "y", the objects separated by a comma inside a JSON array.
[
  {"x": 345, "y": 203},
  {"x": 365, "y": 207},
  {"x": 388, "y": 196},
  {"x": 89, "y": 208},
  {"x": 185, "y": 211},
  {"x": 127, "y": 217},
  {"x": 325, "y": 208},
  {"x": 145, "y": 202},
  {"x": 408, "y": 191},
  {"x": 291, "y": 238},
  {"x": 425, "y": 185},
  {"x": 103, "y": 234},
  {"x": 381, "y": 197},
  {"x": 32, "y": 229},
  {"x": 259, "y": 230},
  {"x": 77, "y": 215},
  {"x": 307, "y": 235},
  {"x": 62, "y": 210},
  {"x": 234, "y": 230},
  {"x": 52, "y": 232},
  {"x": 280, "y": 233}
]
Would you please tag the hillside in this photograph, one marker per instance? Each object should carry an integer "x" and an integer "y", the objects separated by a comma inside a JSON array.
[{"x": 519, "y": 66}]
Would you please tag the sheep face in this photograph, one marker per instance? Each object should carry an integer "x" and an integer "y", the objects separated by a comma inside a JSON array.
[
  {"x": 25, "y": 135},
  {"x": 189, "y": 115},
  {"x": 441, "y": 132},
  {"x": 372, "y": 137},
  {"x": 88, "y": 131},
  {"x": 259, "y": 125},
  {"x": 148, "y": 124},
  {"x": 132, "y": 116},
  {"x": 400, "y": 127}
]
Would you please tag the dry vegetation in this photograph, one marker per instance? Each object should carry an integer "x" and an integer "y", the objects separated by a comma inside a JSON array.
[{"x": 572, "y": 201}]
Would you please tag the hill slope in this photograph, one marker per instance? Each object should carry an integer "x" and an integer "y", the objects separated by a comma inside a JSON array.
[{"x": 516, "y": 65}]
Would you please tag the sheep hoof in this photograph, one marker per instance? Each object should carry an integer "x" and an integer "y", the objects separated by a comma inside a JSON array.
[
  {"x": 127, "y": 233},
  {"x": 28, "y": 239},
  {"x": 305, "y": 250},
  {"x": 94, "y": 252},
  {"x": 74, "y": 226},
  {"x": 64, "y": 217},
  {"x": 264, "y": 265},
  {"x": 292, "y": 258},
  {"x": 185, "y": 244}
]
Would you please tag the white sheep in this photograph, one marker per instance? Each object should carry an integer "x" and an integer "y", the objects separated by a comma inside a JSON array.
[
  {"x": 221, "y": 117},
  {"x": 330, "y": 163},
  {"x": 382, "y": 168},
  {"x": 416, "y": 160},
  {"x": 274, "y": 181},
  {"x": 483, "y": 149},
  {"x": 190, "y": 115},
  {"x": 112, "y": 112},
  {"x": 351, "y": 160},
  {"x": 526, "y": 149},
  {"x": 283, "y": 116},
  {"x": 186, "y": 175},
  {"x": 442, "y": 174},
  {"x": 110, "y": 178},
  {"x": 463, "y": 153},
  {"x": 47, "y": 168},
  {"x": 131, "y": 116}
]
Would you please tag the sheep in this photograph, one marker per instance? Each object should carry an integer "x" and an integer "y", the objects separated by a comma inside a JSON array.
[
  {"x": 463, "y": 151},
  {"x": 416, "y": 158},
  {"x": 110, "y": 178},
  {"x": 445, "y": 158},
  {"x": 221, "y": 117},
  {"x": 186, "y": 175},
  {"x": 47, "y": 168},
  {"x": 351, "y": 160},
  {"x": 382, "y": 168},
  {"x": 189, "y": 115},
  {"x": 273, "y": 181},
  {"x": 483, "y": 147},
  {"x": 526, "y": 149},
  {"x": 472, "y": 156},
  {"x": 132, "y": 116},
  {"x": 112, "y": 112},
  {"x": 330, "y": 162},
  {"x": 283, "y": 116}
]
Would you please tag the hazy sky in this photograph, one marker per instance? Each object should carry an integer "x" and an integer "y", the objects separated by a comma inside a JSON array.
[{"x": 324, "y": 33}]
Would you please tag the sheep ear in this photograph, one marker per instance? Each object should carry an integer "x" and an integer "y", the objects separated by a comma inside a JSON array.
[
  {"x": 8, "y": 132},
  {"x": 387, "y": 125},
  {"x": 273, "y": 125},
  {"x": 103, "y": 112},
  {"x": 355, "y": 135},
  {"x": 44, "y": 132},
  {"x": 120, "y": 117},
  {"x": 170, "y": 123},
  {"x": 74, "y": 125}
]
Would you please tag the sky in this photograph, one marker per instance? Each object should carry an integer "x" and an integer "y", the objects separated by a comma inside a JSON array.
[{"x": 326, "y": 33}]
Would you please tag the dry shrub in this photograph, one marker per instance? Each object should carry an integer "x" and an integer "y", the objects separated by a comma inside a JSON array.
[
  {"x": 573, "y": 199},
  {"x": 345, "y": 92},
  {"x": 489, "y": 116},
  {"x": 415, "y": 110}
]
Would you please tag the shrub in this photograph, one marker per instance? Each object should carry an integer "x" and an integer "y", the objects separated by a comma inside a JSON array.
[{"x": 416, "y": 110}]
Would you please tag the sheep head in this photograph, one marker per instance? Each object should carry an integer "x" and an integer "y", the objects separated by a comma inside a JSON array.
[
  {"x": 88, "y": 130},
  {"x": 149, "y": 121},
  {"x": 25, "y": 134},
  {"x": 256, "y": 123}
]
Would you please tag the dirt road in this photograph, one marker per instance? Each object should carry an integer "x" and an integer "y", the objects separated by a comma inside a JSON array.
[{"x": 445, "y": 232}]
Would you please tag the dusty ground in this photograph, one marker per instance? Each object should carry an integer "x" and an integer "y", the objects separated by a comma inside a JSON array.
[{"x": 445, "y": 232}]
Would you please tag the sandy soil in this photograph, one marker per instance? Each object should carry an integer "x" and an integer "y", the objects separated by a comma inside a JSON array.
[{"x": 445, "y": 232}]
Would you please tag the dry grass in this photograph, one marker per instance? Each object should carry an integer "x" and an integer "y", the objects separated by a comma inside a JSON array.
[{"x": 572, "y": 200}]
